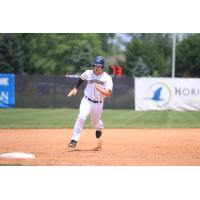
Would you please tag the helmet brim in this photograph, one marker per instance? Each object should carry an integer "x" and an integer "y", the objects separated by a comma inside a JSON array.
[{"x": 98, "y": 65}]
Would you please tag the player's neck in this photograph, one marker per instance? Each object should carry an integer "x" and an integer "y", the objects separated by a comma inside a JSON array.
[{"x": 98, "y": 74}]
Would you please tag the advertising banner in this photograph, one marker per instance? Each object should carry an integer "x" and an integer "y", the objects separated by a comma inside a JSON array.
[
  {"x": 7, "y": 90},
  {"x": 180, "y": 94}
]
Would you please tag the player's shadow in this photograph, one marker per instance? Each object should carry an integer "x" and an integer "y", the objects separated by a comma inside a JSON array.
[
  {"x": 79, "y": 150},
  {"x": 94, "y": 149}
]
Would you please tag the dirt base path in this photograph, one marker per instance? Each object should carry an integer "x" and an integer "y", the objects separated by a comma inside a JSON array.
[{"x": 120, "y": 147}]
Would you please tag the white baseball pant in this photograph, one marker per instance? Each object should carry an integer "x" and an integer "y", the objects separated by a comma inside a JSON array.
[{"x": 87, "y": 107}]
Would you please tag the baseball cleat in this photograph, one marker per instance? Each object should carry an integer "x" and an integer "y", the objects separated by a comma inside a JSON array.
[
  {"x": 72, "y": 144},
  {"x": 98, "y": 134}
]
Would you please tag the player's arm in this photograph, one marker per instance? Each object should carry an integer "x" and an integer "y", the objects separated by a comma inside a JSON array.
[
  {"x": 80, "y": 81},
  {"x": 75, "y": 89},
  {"x": 103, "y": 91}
]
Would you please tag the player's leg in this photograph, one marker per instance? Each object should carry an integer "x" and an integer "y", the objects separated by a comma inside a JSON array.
[
  {"x": 96, "y": 121},
  {"x": 84, "y": 111}
]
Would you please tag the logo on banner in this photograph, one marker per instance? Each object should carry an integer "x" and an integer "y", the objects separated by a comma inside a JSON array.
[
  {"x": 159, "y": 93},
  {"x": 4, "y": 81}
]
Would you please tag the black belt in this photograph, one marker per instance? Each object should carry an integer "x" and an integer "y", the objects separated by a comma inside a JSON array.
[{"x": 93, "y": 100}]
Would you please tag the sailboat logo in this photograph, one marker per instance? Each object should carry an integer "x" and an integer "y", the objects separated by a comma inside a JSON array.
[{"x": 159, "y": 93}]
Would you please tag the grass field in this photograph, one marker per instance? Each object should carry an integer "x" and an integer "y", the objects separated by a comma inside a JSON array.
[{"x": 65, "y": 118}]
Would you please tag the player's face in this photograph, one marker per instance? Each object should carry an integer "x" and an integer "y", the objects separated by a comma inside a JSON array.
[{"x": 97, "y": 70}]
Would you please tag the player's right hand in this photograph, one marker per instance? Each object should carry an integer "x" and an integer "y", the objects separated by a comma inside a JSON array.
[{"x": 72, "y": 92}]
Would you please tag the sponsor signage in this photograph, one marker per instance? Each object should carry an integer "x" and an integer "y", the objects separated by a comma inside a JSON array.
[
  {"x": 7, "y": 94},
  {"x": 167, "y": 94}
]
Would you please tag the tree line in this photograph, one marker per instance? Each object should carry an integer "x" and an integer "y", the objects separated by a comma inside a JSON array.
[
  {"x": 50, "y": 53},
  {"x": 145, "y": 54}
]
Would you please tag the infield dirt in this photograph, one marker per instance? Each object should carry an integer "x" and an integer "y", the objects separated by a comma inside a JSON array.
[{"x": 120, "y": 147}]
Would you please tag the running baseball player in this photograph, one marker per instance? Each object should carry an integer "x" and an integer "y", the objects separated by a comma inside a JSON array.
[{"x": 99, "y": 86}]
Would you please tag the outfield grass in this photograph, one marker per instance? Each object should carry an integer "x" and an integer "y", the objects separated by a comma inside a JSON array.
[{"x": 65, "y": 118}]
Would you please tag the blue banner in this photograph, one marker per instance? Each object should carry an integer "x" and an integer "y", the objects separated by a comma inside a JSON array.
[{"x": 7, "y": 90}]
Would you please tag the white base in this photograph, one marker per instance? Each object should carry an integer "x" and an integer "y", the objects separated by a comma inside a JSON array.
[{"x": 17, "y": 155}]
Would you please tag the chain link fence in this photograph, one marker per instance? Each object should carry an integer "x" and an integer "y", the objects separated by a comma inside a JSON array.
[{"x": 37, "y": 91}]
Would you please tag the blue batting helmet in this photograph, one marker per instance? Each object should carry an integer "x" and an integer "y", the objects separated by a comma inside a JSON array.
[{"x": 99, "y": 61}]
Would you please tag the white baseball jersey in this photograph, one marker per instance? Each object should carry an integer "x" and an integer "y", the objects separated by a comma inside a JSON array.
[{"x": 104, "y": 80}]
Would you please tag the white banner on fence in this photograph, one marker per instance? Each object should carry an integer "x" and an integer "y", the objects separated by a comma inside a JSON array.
[{"x": 179, "y": 94}]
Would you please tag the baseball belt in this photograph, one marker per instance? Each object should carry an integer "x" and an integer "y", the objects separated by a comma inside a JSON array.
[{"x": 93, "y": 101}]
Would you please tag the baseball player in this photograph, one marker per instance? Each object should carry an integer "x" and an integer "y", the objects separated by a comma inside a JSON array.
[{"x": 99, "y": 86}]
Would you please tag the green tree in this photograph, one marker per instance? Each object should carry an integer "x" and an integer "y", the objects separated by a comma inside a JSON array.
[
  {"x": 152, "y": 52},
  {"x": 105, "y": 45},
  {"x": 12, "y": 55},
  {"x": 51, "y": 53},
  {"x": 84, "y": 49},
  {"x": 188, "y": 57},
  {"x": 63, "y": 53}
]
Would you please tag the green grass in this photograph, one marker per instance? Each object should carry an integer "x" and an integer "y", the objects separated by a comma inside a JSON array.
[
  {"x": 11, "y": 164},
  {"x": 65, "y": 118}
]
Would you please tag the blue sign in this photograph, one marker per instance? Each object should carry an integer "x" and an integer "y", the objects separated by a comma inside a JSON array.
[{"x": 7, "y": 90}]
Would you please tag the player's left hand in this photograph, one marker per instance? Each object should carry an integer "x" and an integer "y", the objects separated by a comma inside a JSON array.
[
  {"x": 72, "y": 92},
  {"x": 97, "y": 86}
]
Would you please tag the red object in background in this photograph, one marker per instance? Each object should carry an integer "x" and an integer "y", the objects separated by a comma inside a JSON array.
[{"x": 116, "y": 70}]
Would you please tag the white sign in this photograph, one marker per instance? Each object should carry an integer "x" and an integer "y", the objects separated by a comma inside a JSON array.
[{"x": 167, "y": 94}]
